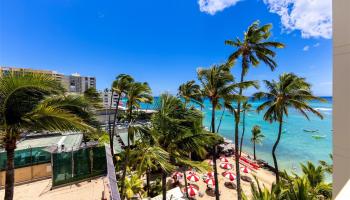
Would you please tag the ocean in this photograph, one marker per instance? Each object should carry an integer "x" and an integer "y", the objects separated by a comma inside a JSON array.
[{"x": 302, "y": 140}]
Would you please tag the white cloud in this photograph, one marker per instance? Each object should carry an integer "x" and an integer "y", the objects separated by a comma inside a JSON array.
[
  {"x": 312, "y": 17},
  {"x": 306, "y": 48},
  {"x": 317, "y": 44},
  {"x": 213, "y": 6}
]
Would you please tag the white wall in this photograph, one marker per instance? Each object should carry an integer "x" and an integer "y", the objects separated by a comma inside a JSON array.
[{"x": 341, "y": 93}]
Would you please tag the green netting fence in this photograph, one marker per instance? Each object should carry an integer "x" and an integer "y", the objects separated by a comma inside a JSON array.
[
  {"x": 77, "y": 165},
  {"x": 26, "y": 157}
]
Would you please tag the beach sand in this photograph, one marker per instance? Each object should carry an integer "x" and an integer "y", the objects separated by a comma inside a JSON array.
[{"x": 265, "y": 177}]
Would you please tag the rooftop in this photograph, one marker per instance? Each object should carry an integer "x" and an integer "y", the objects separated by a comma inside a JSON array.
[
  {"x": 69, "y": 140},
  {"x": 40, "y": 190}
]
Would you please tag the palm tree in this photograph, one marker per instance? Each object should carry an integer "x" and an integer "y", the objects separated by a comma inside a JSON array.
[
  {"x": 133, "y": 187},
  {"x": 219, "y": 87},
  {"x": 137, "y": 93},
  {"x": 257, "y": 137},
  {"x": 327, "y": 166},
  {"x": 314, "y": 174},
  {"x": 119, "y": 87},
  {"x": 264, "y": 193},
  {"x": 179, "y": 131},
  {"x": 190, "y": 91},
  {"x": 245, "y": 108},
  {"x": 254, "y": 48},
  {"x": 294, "y": 187},
  {"x": 290, "y": 91},
  {"x": 148, "y": 156},
  {"x": 25, "y": 106},
  {"x": 93, "y": 97}
]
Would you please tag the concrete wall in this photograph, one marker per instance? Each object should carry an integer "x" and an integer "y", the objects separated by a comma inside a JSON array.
[
  {"x": 341, "y": 93},
  {"x": 28, "y": 174}
]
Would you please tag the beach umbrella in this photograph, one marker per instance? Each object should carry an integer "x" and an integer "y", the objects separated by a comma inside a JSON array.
[
  {"x": 245, "y": 170},
  {"x": 193, "y": 178},
  {"x": 230, "y": 176},
  {"x": 223, "y": 159},
  {"x": 210, "y": 174},
  {"x": 192, "y": 190},
  {"x": 210, "y": 162},
  {"x": 226, "y": 165},
  {"x": 210, "y": 181},
  {"x": 190, "y": 172},
  {"x": 178, "y": 175}
]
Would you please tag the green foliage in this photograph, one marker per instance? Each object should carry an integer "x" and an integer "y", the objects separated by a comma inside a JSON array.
[
  {"x": 218, "y": 84},
  {"x": 93, "y": 97},
  {"x": 133, "y": 186},
  {"x": 290, "y": 91},
  {"x": 255, "y": 47},
  {"x": 190, "y": 91},
  {"x": 328, "y": 167},
  {"x": 35, "y": 102},
  {"x": 309, "y": 186},
  {"x": 257, "y": 136},
  {"x": 138, "y": 93}
]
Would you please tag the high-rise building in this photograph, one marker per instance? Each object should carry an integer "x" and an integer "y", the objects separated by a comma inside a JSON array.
[
  {"x": 72, "y": 83},
  {"x": 16, "y": 70},
  {"x": 78, "y": 84},
  {"x": 106, "y": 99}
]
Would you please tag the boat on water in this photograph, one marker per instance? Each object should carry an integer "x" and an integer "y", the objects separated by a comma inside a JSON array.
[
  {"x": 318, "y": 136},
  {"x": 310, "y": 130}
]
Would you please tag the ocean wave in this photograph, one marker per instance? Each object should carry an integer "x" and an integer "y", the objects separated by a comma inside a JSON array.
[{"x": 324, "y": 109}]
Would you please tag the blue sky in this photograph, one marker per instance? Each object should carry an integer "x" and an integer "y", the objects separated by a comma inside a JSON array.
[{"x": 162, "y": 42}]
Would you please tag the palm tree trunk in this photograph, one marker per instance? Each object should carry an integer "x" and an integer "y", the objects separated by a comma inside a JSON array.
[
  {"x": 254, "y": 151},
  {"x": 126, "y": 158},
  {"x": 240, "y": 146},
  {"x": 164, "y": 184},
  {"x": 222, "y": 116},
  {"x": 115, "y": 118},
  {"x": 10, "y": 169},
  {"x": 186, "y": 184},
  {"x": 217, "y": 194},
  {"x": 148, "y": 185},
  {"x": 237, "y": 157},
  {"x": 109, "y": 124},
  {"x": 274, "y": 149}
]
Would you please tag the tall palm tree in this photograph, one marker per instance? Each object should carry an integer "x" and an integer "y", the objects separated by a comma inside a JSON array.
[
  {"x": 119, "y": 87},
  {"x": 137, "y": 93},
  {"x": 290, "y": 91},
  {"x": 246, "y": 107},
  {"x": 257, "y": 137},
  {"x": 178, "y": 131},
  {"x": 190, "y": 91},
  {"x": 254, "y": 48},
  {"x": 25, "y": 106},
  {"x": 218, "y": 86}
]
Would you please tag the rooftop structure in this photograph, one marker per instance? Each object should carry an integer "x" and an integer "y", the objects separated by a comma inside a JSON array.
[{"x": 74, "y": 83}]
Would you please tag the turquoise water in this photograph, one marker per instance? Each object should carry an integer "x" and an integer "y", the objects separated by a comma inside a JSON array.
[{"x": 296, "y": 145}]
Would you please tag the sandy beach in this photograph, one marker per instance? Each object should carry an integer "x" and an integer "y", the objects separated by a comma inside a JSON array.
[{"x": 264, "y": 176}]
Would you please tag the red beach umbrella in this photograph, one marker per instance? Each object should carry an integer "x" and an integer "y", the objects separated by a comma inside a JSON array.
[
  {"x": 193, "y": 178},
  {"x": 226, "y": 165},
  {"x": 210, "y": 181},
  {"x": 178, "y": 175},
  {"x": 223, "y": 159},
  {"x": 230, "y": 176},
  {"x": 192, "y": 190},
  {"x": 245, "y": 170},
  {"x": 210, "y": 174}
]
